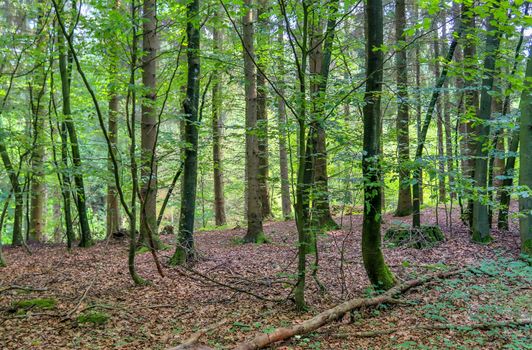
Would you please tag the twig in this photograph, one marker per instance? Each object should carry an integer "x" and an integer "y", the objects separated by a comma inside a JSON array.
[
  {"x": 190, "y": 343},
  {"x": 24, "y": 288}
]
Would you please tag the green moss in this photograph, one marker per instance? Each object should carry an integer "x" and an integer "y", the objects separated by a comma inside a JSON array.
[
  {"x": 93, "y": 317},
  {"x": 143, "y": 250},
  {"x": 423, "y": 237},
  {"x": 478, "y": 238},
  {"x": 39, "y": 303}
]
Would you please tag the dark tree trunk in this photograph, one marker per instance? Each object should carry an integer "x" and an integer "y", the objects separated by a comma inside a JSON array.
[
  {"x": 439, "y": 119},
  {"x": 378, "y": 272},
  {"x": 217, "y": 134},
  {"x": 404, "y": 200},
  {"x": 185, "y": 246},
  {"x": 255, "y": 231},
  {"x": 480, "y": 227}
]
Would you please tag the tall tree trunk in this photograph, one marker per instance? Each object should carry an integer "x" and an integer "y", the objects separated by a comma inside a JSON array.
[
  {"x": 255, "y": 231},
  {"x": 378, "y": 272},
  {"x": 66, "y": 77},
  {"x": 113, "y": 208},
  {"x": 262, "y": 111},
  {"x": 439, "y": 119},
  {"x": 282, "y": 130},
  {"x": 447, "y": 122},
  {"x": 185, "y": 245},
  {"x": 148, "y": 170},
  {"x": 525, "y": 158},
  {"x": 513, "y": 144},
  {"x": 320, "y": 60},
  {"x": 404, "y": 200},
  {"x": 217, "y": 133},
  {"x": 18, "y": 238},
  {"x": 471, "y": 99},
  {"x": 418, "y": 104},
  {"x": 37, "y": 92},
  {"x": 480, "y": 227}
]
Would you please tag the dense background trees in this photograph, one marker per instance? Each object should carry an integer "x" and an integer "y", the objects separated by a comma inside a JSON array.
[{"x": 210, "y": 113}]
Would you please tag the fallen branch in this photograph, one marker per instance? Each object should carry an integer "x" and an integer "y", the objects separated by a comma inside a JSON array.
[
  {"x": 443, "y": 327},
  {"x": 192, "y": 342},
  {"x": 24, "y": 288},
  {"x": 280, "y": 334}
]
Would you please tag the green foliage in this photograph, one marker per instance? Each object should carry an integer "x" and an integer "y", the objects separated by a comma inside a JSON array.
[
  {"x": 95, "y": 317},
  {"x": 37, "y": 303}
]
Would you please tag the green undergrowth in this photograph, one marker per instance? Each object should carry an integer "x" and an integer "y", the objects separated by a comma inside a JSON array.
[
  {"x": 402, "y": 235},
  {"x": 94, "y": 317},
  {"x": 37, "y": 303}
]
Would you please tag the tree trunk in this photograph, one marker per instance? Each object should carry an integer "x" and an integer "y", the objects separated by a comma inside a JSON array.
[
  {"x": 254, "y": 211},
  {"x": 378, "y": 272},
  {"x": 439, "y": 119},
  {"x": 262, "y": 112},
  {"x": 217, "y": 133},
  {"x": 282, "y": 130},
  {"x": 113, "y": 208},
  {"x": 480, "y": 227},
  {"x": 525, "y": 158},
  {"x": 404, "y": 200},
  {"x": 18, "y": 238},
  {"x": 418, "y": 105},
  {"x": 149, "y": 128},
  {"x": 447, "y": 124},
  {"x": 66, "y": 77},
  {"x": 185, "y": 251}
]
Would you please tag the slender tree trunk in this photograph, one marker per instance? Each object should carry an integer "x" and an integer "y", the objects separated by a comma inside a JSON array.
[
  {"x": 255, "y": 231},
  {"x": 468, "y": 130},
  {"x": 2, "y": 218},
  {"x": 262, "y": 111},
  {"x": 66, "y": 77},
  {"x": 185, "y": 245},
  {"x": 19, "y": 197},
  {"x": 447, "y": 123},
  {"x": 418, "y": 103},
  {"x": 513, "y": 144},
  {"x": 404, "y": 200},
  {"x": 480, "y": 227},
  {"x": 148, "y": 170},
  {"x": 378, "y": 272},
  {"x": 439, "y": 119},
  {"x": 113, "y": 208},
  {"x": 217, "y": 134},
  {"x": 282, "y": 130},
  {"x": 525, "y": 169},
  {"x": 320, "y": 60}
]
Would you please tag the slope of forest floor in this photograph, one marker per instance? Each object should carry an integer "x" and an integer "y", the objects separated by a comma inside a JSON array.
[{"x": 248, "y": 285}]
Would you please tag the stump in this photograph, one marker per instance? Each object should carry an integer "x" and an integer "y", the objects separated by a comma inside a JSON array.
[{"x": 403, "y": 235}]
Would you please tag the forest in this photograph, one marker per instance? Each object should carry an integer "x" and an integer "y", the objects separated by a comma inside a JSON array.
[{"x": 280, "y": 174}]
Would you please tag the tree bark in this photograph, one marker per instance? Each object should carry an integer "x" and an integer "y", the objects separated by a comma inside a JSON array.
[
  {"x": 255, "y": 231},
  {"x": 378, "y": 272},
  {"x": 439, "y": 118},
  {"x": 282, "y": 130},
  {"x": 262, "y": 111},
  {"x": 525, "y": 158},
  {"x": 480, "y": 227},
  {"x": 149, "y": 127},
  {"x": 217, "y": 133},
  {"x": 185, "y": 251},
  {"x": 404, "y": 200}
]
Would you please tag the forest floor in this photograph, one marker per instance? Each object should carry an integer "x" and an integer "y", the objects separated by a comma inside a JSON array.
[{"x": 95, "y": 282}]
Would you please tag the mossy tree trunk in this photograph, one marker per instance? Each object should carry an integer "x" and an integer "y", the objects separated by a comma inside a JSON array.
[
  {"x": 480, "y": 227},
  {"x": 185, "y": 251},
  {"x": 378, "y": 272}
]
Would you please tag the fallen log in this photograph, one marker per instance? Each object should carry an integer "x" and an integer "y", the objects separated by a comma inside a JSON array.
[
  {"x": 192, "y": 342},
  {"x": 263, "y": 340}
]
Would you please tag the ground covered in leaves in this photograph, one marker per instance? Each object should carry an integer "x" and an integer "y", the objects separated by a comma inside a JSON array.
[{"x": 84, "y": 299}]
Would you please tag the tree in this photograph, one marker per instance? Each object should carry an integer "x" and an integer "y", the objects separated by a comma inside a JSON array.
[
  {"x": 525, "y": 158},
  {"x": 404, "y": 200},
  {"x": 217, "y": 132},
  {"x": 185, "y": 252},
  {"x": 378, "y": 272},
  {"x": 255, "y": 232},
  {"x": 149, "y": 127},
  {"x": 480, "y": 227}
]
